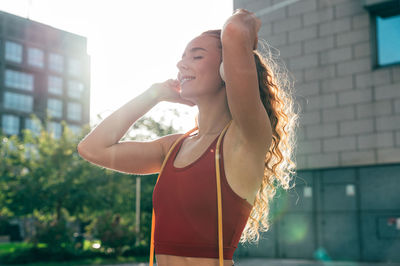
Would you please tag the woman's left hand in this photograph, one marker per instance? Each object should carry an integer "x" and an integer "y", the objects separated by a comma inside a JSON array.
[{"x": 248, "y": 20}]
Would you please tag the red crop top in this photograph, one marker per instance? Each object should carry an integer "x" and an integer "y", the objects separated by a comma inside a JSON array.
[{"x": 186, "y": 210}]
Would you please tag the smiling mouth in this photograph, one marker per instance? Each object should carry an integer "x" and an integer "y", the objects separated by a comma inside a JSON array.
[{"x": 187, "y": 80}]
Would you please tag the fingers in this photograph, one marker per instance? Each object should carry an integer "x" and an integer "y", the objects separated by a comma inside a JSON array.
[
  {"x": 257, "y": 21},
  {"x": 175, "y": 96},
  {"x": 173, "y": 83},
  {"x": 176, "y": 82},
  {"x": 237, "y": 10},
  {"x": 242, "y": 10}
]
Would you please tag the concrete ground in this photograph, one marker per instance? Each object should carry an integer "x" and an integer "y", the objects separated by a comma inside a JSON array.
[{"x": 286, "y": 262}]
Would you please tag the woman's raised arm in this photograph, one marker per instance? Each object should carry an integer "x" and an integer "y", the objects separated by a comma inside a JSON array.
[{"x": 102, "y": 145}]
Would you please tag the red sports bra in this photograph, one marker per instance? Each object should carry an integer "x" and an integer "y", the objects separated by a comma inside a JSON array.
[{"x": 185, "y": 208}]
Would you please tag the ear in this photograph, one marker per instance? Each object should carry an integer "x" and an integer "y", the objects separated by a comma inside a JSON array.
[{"x": 221, "y": 71}]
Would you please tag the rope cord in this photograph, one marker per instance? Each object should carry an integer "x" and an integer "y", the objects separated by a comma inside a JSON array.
[{"x": 217, "y": 169}]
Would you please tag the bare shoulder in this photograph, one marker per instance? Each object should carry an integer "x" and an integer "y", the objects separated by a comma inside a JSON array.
[{"x": 167, "y": 141}]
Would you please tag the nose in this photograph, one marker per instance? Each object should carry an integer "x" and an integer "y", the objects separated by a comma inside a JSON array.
[{"x": 181, "y": 64}]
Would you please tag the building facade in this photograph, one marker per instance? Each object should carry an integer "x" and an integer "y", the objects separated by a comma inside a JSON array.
[
  {"x": 43, "y": 71},
  {"x": 345, "y": 57}
]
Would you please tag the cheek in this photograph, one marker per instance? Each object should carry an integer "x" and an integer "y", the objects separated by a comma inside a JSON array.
[{"x": 208, "y": 71}]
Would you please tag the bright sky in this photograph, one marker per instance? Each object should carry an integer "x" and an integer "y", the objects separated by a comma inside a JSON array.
[{"x": 132, "y": 44}]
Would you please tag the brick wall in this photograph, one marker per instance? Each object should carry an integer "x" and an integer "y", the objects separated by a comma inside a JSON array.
[{"x": 350, "y": 108}]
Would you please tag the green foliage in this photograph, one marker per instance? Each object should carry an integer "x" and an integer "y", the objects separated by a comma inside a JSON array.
[
  {"x": 37, "y": 254},
  {"x": 138, "y": 251},
  {"x": 114, "y": 234},
  {"x": 55, "y": 234},
  {"x": 4, "y": 225},
  {"x": 44, "y": 178},
  {"x": 38, "y": 170},
  {"x": 46, "y": 175}
]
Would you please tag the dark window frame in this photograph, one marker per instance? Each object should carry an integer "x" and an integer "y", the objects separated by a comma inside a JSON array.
[{"x": 385, "y": 9}]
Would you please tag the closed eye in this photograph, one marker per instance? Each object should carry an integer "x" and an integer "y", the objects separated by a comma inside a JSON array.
[{"x": 198, "y": 57}]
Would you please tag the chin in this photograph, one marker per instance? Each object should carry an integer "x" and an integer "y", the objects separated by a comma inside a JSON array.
[
  {"x": 186, "y": 90},
  {"x": 188, "y": 93},
  {"x": 184, "y": 93}
]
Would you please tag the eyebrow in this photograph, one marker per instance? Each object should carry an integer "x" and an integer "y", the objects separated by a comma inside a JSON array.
[{"x": 195, "y": 49}]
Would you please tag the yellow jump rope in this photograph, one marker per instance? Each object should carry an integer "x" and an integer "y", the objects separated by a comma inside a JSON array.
[{"x": 219, "y": 201}]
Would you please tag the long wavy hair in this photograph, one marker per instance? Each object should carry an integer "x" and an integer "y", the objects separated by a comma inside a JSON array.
[{"x": 276, "y": 93}]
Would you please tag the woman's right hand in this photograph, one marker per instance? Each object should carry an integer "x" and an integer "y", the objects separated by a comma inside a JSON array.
[{"x": 169, "y": 91}]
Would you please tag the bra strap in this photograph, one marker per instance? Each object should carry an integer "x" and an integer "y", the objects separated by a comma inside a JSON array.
[{"x": 153, "y": 215}]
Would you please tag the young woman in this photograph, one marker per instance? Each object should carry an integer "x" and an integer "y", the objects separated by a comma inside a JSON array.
[{"x": 250, "y": 114}]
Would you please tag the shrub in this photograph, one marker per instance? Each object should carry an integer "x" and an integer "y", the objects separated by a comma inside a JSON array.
[
  {"x": 4, "y": 225},
  {"x": 36, "y": 254},
  {"x": 56, "y": 234},
  {"x": 115, "y": 236},
  {"x": 137, "y": 251}
]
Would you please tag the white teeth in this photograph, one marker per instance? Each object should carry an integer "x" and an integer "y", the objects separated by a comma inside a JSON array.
[{"x": 186, "y": 79}]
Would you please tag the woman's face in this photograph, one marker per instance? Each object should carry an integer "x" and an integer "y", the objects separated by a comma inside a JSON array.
[{"x": 201, "y": 60}]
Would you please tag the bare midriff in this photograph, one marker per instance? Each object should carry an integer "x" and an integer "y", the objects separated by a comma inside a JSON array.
[{"x": 171, "y": 260}]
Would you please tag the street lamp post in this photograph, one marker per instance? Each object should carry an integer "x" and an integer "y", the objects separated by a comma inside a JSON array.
[{"x": 137, "y": 209}]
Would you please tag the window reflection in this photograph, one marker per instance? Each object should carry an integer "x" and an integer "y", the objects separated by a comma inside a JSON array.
[
  {"x": 56, "y": 62},
  {"x": 75, "y": 129},
  {"x": 54, "y": 85},
  {"x": 388, "y": 39},
  {"x": 75, "y": 89},
  {"x": 10, "y": 124},
  {"x": 35, "y": 57},
  {"x": 74, "y": 67},
  {"x": 32, "y": 125},
  {"x": 74, "y": 111},
  {"x": 13, "y": 52},
  {"x": 54, "y": 107},
  {"x": 54, "y": 128},
  {"x": 18, "y": 80},
  {"x": 19, "y": 102}
]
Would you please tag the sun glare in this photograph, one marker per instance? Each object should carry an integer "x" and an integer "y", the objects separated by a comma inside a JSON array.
[{"x": 131, "y": 44}]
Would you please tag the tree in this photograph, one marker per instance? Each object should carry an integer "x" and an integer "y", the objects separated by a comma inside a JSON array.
[{"x": 45, "y": 178}]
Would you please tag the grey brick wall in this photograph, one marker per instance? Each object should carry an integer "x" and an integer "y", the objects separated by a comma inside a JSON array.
[{"x": 350, "y": 109}]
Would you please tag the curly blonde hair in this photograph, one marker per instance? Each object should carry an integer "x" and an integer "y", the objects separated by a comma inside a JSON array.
[{"x": 276, "y": 93}]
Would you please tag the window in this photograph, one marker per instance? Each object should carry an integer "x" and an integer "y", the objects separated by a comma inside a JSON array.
[
  {"x": 10, "y": 124},
  {"x": 17, "y": 101},
  {"x": 32, "y": 125},
  {"x": 13, "y": 52},
  {"x": 388, "y": 39},
  {"x": 54, "y": 128},
  {"x": 54, "y": 107},
  {"x": 75, "y": 89},
  {"x": 18, "y": 80},
  {"x": 75, "y": 129},
  {"x": 56, "y": 62},
  {"x": 54, "y": 85},
  {"x": 35, "y": 57},
  {"x": 31, "y": 149},
  {"x": 12, "y": 146},
  {"x": 74, "y": 111},
  {"x": 74, "y": 67}
]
